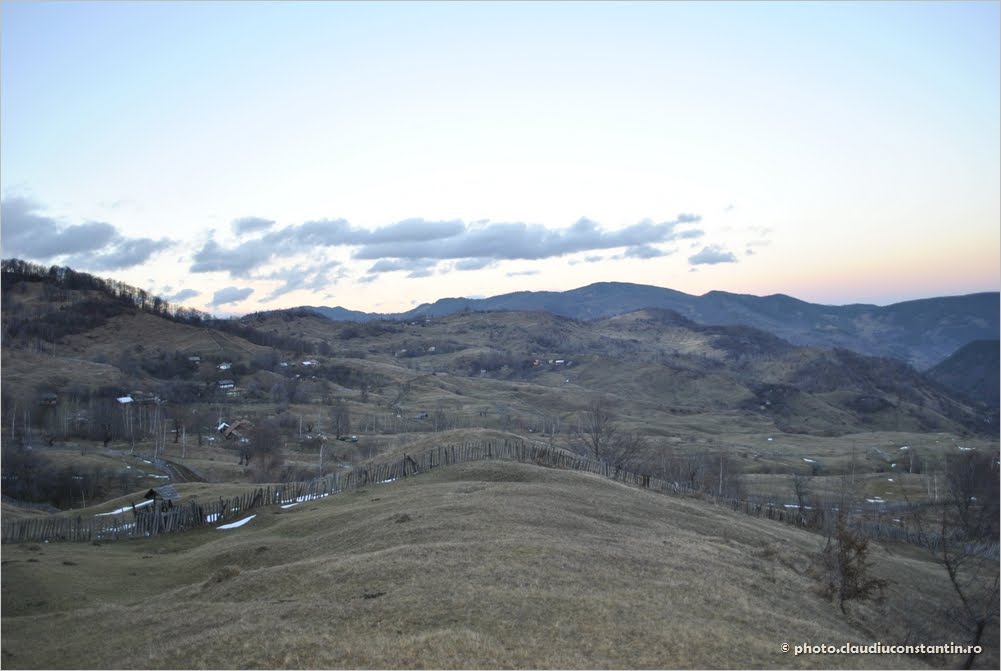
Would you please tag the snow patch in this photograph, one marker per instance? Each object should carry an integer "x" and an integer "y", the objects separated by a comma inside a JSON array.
[
  {"x": 234, "y": 525},
  {"x": 125, "y": 509}
]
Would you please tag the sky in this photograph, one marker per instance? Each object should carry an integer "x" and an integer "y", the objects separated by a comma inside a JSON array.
[{"x": 235, "y": 157}]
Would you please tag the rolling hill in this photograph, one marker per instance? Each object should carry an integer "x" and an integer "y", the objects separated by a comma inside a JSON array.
[
  {"x": 921, "y": 332},
  {"x": 972, "y": 371},
  {"x": 487, "y": 565},
  {"x": 107, "y": 391}
]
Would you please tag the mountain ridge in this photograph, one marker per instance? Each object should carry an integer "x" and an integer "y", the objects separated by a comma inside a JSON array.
[{"x": 921, "y": 332}]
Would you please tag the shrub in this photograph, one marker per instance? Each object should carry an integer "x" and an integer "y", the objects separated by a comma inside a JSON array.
[{"x": 848, "y": 570}]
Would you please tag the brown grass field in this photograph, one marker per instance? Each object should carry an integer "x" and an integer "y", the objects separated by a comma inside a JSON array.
[{"x": 486, "y": 565}]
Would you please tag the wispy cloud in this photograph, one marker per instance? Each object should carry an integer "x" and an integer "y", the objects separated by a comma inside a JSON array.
[
  {"x": 92, "y": 245},
  {"x": 416, "y": 245},
  {"x": 472, "y": 264},
  {"x": 182, "y": 295},
  {"x": 230, "y": 295},
  {"x": 124, "y": 253},
  {"x": 316, "y": 277},
  {"x": 711, "y": 255},
  {"x": 644, "y": 252},
  {"x": 247, "y": 225},
  {"x": 407, "y": 265},
  {"x": 518, "y": 240}
]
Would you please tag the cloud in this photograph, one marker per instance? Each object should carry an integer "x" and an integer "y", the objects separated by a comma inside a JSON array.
[
  {"x": 522, "y": 273},
  {"x": 711, "y": 255},
  {"x": 517, "y": 240},
  {"x": 410, "y": 230},
  {"x": 246, "y": 225},
  {"x": 230, "y": 295},
  {"x": 93, "y": 245},
  {"x": 244, "y": 258},
  {"x": 643, "y": 252},
  {"x": 417, "y": 245},
  {"x": 125, "y": 254},
  {"x": 393, "y": 265},
  {"x": 317, "y": 277},
  {"x": 182, "y": 295},
  {"x": 26, "y": 233},
  {"x": 312, "y": 234},
  {"x": 472, "y": 264},
  {"x": 239, "y": 261}
]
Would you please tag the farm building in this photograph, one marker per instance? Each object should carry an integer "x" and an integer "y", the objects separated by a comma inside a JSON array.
[{"x": 162, "y": 493}]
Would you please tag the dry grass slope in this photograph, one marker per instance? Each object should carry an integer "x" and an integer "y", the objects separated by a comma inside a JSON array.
[{"x": 485, "y": 565}]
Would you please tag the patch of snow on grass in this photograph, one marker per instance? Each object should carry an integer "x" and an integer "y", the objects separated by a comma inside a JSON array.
[
  {"x": 125, "y": 509},
  {"x": 234, "y": 525}
]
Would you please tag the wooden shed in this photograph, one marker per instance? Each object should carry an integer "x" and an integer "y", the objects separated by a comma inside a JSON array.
[{"x": 163, "y": 493}]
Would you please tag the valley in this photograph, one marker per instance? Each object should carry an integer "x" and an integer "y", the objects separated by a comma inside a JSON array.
[{"x": 107, "y": 394}]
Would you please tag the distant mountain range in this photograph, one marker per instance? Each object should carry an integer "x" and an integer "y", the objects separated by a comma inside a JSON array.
[{"x": 922, "y": 332}]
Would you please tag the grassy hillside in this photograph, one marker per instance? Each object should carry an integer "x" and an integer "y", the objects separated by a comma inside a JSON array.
[
  {"x": 972, "y": 371},
  {"x": 485, "y": 565}
]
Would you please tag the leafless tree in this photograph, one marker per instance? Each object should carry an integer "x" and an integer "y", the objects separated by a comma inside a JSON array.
[
  {"x": 264, "y": 449},
  {"x": 968, "y": 524},
  {"x": 340, "y": 418},
  {"x": 801, "y": 488},
  {"x": 598, "y": 436}
]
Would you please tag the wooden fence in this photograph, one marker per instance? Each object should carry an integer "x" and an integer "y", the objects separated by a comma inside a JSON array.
[{"x": 147, "y": 519}]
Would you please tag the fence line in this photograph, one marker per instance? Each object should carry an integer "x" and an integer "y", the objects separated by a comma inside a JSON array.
[{"x": 159, "y": 517}]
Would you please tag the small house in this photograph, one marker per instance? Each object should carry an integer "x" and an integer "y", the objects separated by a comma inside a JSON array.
[
  {"x": 226, "y": 384},
  {"x": 162, "y": 493}
]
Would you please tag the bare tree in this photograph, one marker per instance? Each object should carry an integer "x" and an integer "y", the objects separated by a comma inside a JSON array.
[
  {"x": 967, "y": 529},
  {"x": 801, "y": 488},
  {"x": 975, "y": 580},
  {"x": 264, "y": 448},
  {"x": 340, "y": 418},
  {"x": 598, "y": 436},
  {"x": 974, "y": 492}
]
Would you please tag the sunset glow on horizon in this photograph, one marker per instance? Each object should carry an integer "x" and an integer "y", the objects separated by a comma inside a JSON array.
[{"x": 235, "y": 157}]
